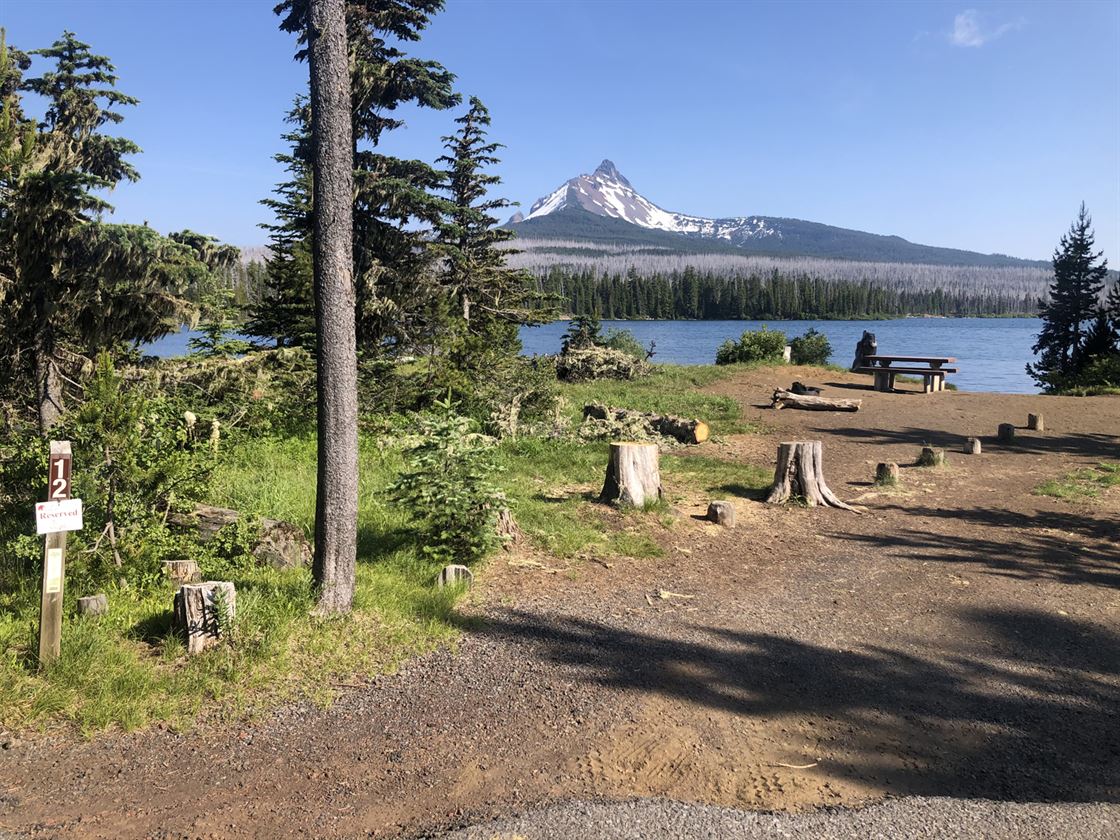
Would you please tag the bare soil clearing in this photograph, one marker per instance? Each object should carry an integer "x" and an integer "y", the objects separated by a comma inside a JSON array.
[{"x": 961, "y": 638}]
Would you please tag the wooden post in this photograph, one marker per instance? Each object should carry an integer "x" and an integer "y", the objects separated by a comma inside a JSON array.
[
  {"x": 1006, "y": 433},
  {"x": 54, "y": 558},
  {"x": 1036, "y": 423},
  {"x": 633, "y": 475}
]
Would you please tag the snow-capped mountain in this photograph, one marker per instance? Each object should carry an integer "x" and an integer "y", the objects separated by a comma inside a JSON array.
[
  {"x": 606, "y": 192},
  {"x": 604, "y": 207}
]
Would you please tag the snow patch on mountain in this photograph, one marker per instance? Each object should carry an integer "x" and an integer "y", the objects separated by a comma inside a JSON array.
[{"x": 606, "y": 192}]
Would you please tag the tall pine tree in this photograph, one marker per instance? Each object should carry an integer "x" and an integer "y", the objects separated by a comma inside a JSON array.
[{"x": 1079, "y": 276}]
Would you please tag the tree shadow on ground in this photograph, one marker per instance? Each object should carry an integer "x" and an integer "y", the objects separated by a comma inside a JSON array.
[
  {"x": 1089, "y": 445},
  {"x": 1058, "y": 546},
  {"x": 1022, "y": 707}
]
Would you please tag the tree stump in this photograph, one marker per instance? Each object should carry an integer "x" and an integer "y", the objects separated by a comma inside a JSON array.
[
  {"x": 972, "y": 446},
  {"x": 931, "y": 457},
  {"x": 182, "y": 571},
  {"x": 453, "y": 574},
  {"x": 800, "y": 473},
  {"x": 722, "y": 513},
  {"x": 1036, "y": 423},
  {"x": 93, "y": 604},
  {"x": 633, "y": 475},
  {"x": 886, "y": 473},
  {"x": 1006, "y": 432},
  {"x": 203, "y": 612},
  {"x": 787, "y": 353},
  {"x": 508, "y": 531}
]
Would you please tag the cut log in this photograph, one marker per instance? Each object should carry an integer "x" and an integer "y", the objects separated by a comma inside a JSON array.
[
  {"x": 722, "y": 513},
  {"x": 680, "y": 428},
  {"x": 279, "y": 544},
  {"x": 203, "y": 612},
  {"x": 931, "y": 457},
  {"x": 800, "y": 474},
  {"x": 886, "y": 473},
  {"x": 1036, "y": 423},
  {"x": 1006, "y": 432},
  {"x": 787, "y": 399},
  {"x": 182, "y": 571},
  {"x": 633, "y": 475},
  {"x": 508, "y": 531},
  {"x": 93, "y": 604},
  {"x": 972, "y": 446},
  {"x": 455, "y": 574}
]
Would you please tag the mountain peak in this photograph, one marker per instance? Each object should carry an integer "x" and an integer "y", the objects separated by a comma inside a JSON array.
[{"x": 609, "y": 171}]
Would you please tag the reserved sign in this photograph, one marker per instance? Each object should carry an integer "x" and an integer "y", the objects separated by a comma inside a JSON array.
[{"x": 53, "y": 517}]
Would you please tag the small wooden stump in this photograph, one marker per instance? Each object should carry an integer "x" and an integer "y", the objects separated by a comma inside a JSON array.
[
  {"x": 722, "y": 513},
  {"x": 800, "y": 473},
  {"x": 931, "y": 457},
  {"x": 787, "y": 353},
  {"x": 508, "y": 531},
  {"x": 1036, "y": 423},
  {"x": 454, "y": 574},
  {"x": 182, "y": 571},
  {"x": 633, "y": 475},
  {"x": 203, "y": 612},
  {"x": 887, "y": 473},
  {"x": 1006, "y": 433},
  {"x": 93, "y": 604},
  {"x": 971, "y": 446}
]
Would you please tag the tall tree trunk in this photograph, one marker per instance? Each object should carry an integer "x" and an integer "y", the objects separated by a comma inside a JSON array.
[
  {"x": 336, "y": 504},
  {"x": 48, "y": 381}
]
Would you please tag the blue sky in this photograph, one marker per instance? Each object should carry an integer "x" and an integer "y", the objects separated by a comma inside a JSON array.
[{"x": 971, "y": 125}]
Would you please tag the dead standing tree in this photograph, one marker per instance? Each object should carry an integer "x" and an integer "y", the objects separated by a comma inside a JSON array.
[{"x": 800, "y": 474}]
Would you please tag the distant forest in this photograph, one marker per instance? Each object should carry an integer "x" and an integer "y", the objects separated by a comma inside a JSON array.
[{"x": 697, "y": 295}]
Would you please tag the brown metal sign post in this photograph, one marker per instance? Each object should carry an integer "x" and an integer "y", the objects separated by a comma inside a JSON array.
[{"x": 54, "y": 558}]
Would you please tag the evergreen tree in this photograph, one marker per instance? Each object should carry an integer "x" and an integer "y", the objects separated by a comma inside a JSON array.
[
  {"x": 1079, "y": 276},
  {"x": 493, "y": 299}
]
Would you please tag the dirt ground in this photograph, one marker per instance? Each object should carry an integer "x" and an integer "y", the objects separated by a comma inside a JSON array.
[{"x": 959, "y": 638}]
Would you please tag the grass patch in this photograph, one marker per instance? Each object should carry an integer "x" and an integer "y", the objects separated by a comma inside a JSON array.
[
  {"x": 1082, "y": 484},
  {"x": 670, "y": 389}
]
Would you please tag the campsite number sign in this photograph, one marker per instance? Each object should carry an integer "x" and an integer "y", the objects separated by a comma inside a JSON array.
[
  {"x": 54, "y": 517},
  {"x": 59, "y": 477}
]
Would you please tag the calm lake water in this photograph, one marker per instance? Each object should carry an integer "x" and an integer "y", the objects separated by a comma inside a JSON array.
[{"x": 990, "y": 352}]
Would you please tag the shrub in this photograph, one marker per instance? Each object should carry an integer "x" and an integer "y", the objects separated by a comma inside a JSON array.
[
  {"x": 810, "y": 349},
  {"x": 583, "y": 332},
  {"x": 1099, "y": 376},
  {"x": 446, "y": 485},
  {"x": 625, "y": 342},
  {"x": 758, "y": 346}
]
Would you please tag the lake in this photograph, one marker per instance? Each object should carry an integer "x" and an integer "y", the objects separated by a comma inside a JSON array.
[{"x": 990, "y": 352}]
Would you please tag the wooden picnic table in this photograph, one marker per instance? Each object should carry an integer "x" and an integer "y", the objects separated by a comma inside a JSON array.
[{"x": 884, "y": 370}]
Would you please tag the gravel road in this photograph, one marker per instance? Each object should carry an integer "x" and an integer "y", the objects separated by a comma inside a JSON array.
[{"x": 913, "y": 818}]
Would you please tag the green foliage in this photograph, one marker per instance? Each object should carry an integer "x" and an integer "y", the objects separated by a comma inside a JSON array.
[
  {"x": 447, "y": 482},
  {"x": 812, "y": 348},
  {"x": 753, "y": 346},
  {"x": 1101, "y": 375},
  {"x": 582, "y": 332},
  {"x": 1076, "y": 328},
  {"x": 1083, "y": 484},
  {"x": 625, "y": 342}
]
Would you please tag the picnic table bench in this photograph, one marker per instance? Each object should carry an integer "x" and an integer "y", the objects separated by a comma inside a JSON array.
[{"x": 884, "y": 369}]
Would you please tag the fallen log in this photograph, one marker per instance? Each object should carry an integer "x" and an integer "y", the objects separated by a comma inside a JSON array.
[
  {"x": 680, "y": 428},
  {"x": 787, "y": 399}
]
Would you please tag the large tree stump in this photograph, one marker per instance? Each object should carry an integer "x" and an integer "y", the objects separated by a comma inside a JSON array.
[
  {"x": 182, "y": 571},
  {"x": 788, "y": 399},
  {"x": 203, "y": 612},
  {"x": 1006, "y": 433},
  {"x": 972, "y": 446},
  {"x": 1036, "y": 423},
  {"x": 722, "y": 513},
  {"x": 886, "y": 473},
  {"x": 800, "y": 474},
  {"x": 633, "y": 475}
]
